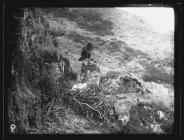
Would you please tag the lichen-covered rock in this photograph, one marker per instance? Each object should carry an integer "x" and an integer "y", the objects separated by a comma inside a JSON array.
[
  {"x": 90, "y": 72},
  {"x": 120, "y": 83},
  {"x": 148, "y": 118}
]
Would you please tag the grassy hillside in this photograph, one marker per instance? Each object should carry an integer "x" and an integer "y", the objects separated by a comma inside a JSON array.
[
  {"x": 134, "y": 46},
  {"x": 131, "y": 40}
]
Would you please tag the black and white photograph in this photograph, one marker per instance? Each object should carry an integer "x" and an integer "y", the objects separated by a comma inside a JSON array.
[{"x": 92, "y": 70}]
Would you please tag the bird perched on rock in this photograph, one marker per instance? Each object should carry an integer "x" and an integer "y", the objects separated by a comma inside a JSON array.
[{"x": 86, "y": 52}]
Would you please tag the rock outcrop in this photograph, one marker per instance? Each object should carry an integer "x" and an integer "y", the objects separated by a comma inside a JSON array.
[
  {"x": 127, "y": 112},
  {"x": 121, "y": 83},
  {"x": 39, "y": 72},
  {"x": 148, "y": 118},
  {"x": 90, "y": 72}
]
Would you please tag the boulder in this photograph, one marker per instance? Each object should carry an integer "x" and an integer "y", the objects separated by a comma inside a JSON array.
[
  {"x": 148, "y": 118},
  {"x": 114, "y": 82},
  {"x": 90, "y": 72}
]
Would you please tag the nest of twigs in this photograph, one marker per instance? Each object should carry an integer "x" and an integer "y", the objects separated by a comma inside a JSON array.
[{"x": 91, "y": 104}]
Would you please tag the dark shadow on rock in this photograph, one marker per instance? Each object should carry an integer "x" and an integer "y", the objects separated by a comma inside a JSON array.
[{"x": 145, "y": 118}]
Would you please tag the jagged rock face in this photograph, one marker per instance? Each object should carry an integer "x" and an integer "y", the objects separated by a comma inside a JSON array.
[
  {"x": 90, "y": 73},
  {"x": 119, "y": 83},
  {"x": 24, "y": 110},
  {"x": 143, "y": 118},
  {"x": 148, "y": 118},
  {"x": 38, "y": 73}
]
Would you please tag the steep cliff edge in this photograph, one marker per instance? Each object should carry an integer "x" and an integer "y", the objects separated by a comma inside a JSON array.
[{"x": 39, "y": 72}]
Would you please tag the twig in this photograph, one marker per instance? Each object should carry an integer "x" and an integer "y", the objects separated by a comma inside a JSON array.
[
  {"x": 81, "y": 103},
  {"x": 92, "y": 109},
  {"x": 50, "y": 106},
  {"x": 59, "y": 108},
  {"x": 77, "y": 94},
  {"x": 98, "y": 105}
]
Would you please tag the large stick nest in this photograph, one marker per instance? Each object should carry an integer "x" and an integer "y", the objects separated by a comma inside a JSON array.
[{"x": 90, "y": 103}]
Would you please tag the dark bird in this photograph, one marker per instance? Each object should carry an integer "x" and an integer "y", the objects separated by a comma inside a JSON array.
[{"x": 86, "y": 52}]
